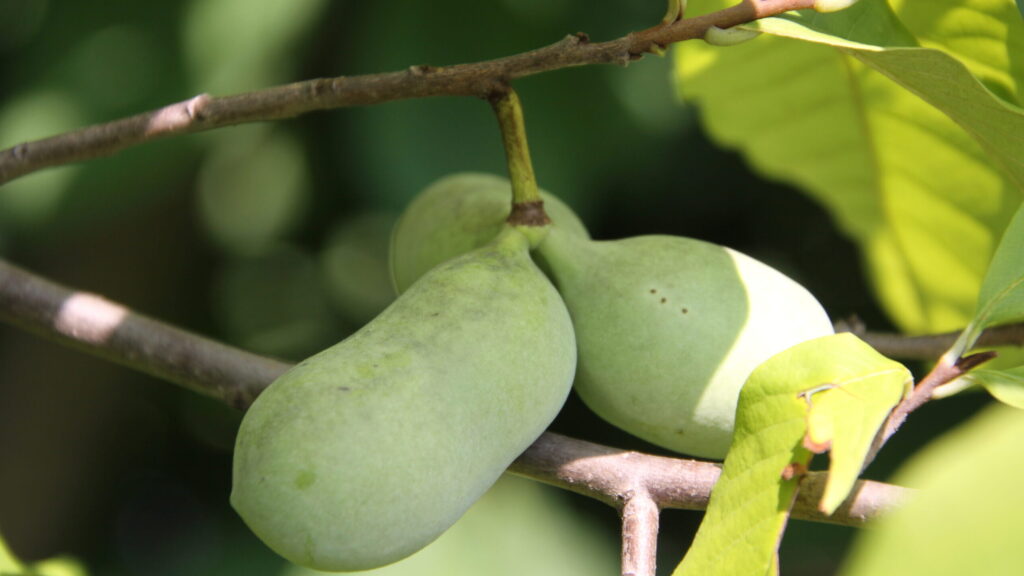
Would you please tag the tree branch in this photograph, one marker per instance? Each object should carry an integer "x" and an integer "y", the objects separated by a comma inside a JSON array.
[
  {"x": 112, "y": 331},
  {"x": 205, "y": 112},
  {"x": 638, "y": 485},
  {"x": 931, "y": 346}
]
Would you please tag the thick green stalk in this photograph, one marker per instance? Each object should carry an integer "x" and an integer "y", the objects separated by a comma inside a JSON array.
[{"x": 527, "y": 205}]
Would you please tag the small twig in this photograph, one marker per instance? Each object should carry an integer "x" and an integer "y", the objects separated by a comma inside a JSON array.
[
  {"x": 946, "y": 370},
  {"x": 640, "y": 517},
  {"x": 478, "y": 79}
]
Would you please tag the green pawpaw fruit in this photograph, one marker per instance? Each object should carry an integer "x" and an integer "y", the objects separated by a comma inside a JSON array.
[
  {"x": 669, "y": 328},
  {"x": 454, "y": 215},
  {"x": 369, "y": 450}
]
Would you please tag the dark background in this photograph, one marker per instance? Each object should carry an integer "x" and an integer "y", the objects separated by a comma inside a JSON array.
[{"x": 273, "y": 237}]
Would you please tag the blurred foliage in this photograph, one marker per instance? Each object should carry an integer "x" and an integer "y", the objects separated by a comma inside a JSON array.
[
  {"x": 965, "y": 519},
  {"x": 273, "y": 237}
]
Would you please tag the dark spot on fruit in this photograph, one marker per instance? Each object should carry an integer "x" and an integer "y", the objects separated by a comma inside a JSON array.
[
  {"x": 681, "y": 432},
  {"x": 344, "y": 388},
  {"x": 663, "y": 300},
  {"x": 305, "y": 479},
  {"x": 653, "y": 291},
  {"x": 685, "y": 311}
]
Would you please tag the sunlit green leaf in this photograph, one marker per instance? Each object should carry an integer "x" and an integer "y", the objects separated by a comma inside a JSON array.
[
  {"x": 750, "y": 504},
  {"x": 845, "y": 416},
  {"x": 1007, "y": 386},
  {"x": 965, "y": 519},
  {"x": 909, "y": 184},
  {"x": 986, "y": 35},
  {"x": 870, "y": 33},
  {"x": 1002, "y": 293},
  {"x": 518, "y": 528}
]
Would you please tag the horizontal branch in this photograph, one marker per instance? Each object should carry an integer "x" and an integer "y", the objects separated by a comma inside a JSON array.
[
  {"x": 613, "y": 476},
  {"x": 479, "y": 79},
  {"x": 112, "y": 331},
  {"x": 931, "y": 346}
]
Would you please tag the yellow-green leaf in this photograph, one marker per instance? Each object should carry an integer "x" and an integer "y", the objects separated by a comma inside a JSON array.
[
  {"x": 1007, "y": 386},
  {"x": 750, "y": 504},
  {"x": 1001, "y": 299},
  {"x": 916, "y": 190},
  {"x": 996, "y": 123},
  {"x": 1002, "y": 293},
  {"x": 845, "y": 415}
]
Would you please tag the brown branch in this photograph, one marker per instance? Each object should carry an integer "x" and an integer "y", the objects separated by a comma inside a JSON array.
[
  {"x": 640, "y": 518},
  {"x": 945, "y": 371},
  {"x": 113, "y": 332},
  {"x": 613, "y": 476},
  {"x": 931, "y": 346},
  {"x": 478, "y": 79}
]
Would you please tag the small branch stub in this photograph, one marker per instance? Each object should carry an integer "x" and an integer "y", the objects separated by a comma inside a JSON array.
[{"x": 527, "y": 205}]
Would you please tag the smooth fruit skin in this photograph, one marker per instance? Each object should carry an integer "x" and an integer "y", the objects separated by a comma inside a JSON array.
[
  {"x": 454, "y": 215},
  {"x": 669, "y": 328},
  {"x": 369, "y": 450}
]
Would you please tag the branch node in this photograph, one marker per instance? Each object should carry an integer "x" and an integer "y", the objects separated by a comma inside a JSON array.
[
  {"x": 194, "y": 107},
  {"x": 968, "y": 363},
  {"x": 420, "y": 70}
]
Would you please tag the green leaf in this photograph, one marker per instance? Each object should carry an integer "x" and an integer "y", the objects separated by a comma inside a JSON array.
[
  {"x": 1001, "y": 299},
  {"x": 845, "y": 416},
  {"x": 965, "y": 519},
  {"x": 1007, "y": 386},
  {"x": 918, "y": 193},
  {"x": 750, "y": 504},
  {"x": 1002, "y": 293},
  {"x": 986, "y": 35},
  {"x": 942, "y": 80}
]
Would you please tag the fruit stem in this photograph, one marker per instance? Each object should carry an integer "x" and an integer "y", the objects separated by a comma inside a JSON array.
[{"x": 527, "y": 205}]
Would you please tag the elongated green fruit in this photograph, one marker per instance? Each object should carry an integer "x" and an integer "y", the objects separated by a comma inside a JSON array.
[
  {"x": 669, "y": 328},
  {"x": 454, "y": 215},
  {"x": 369, "y": 450}
]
